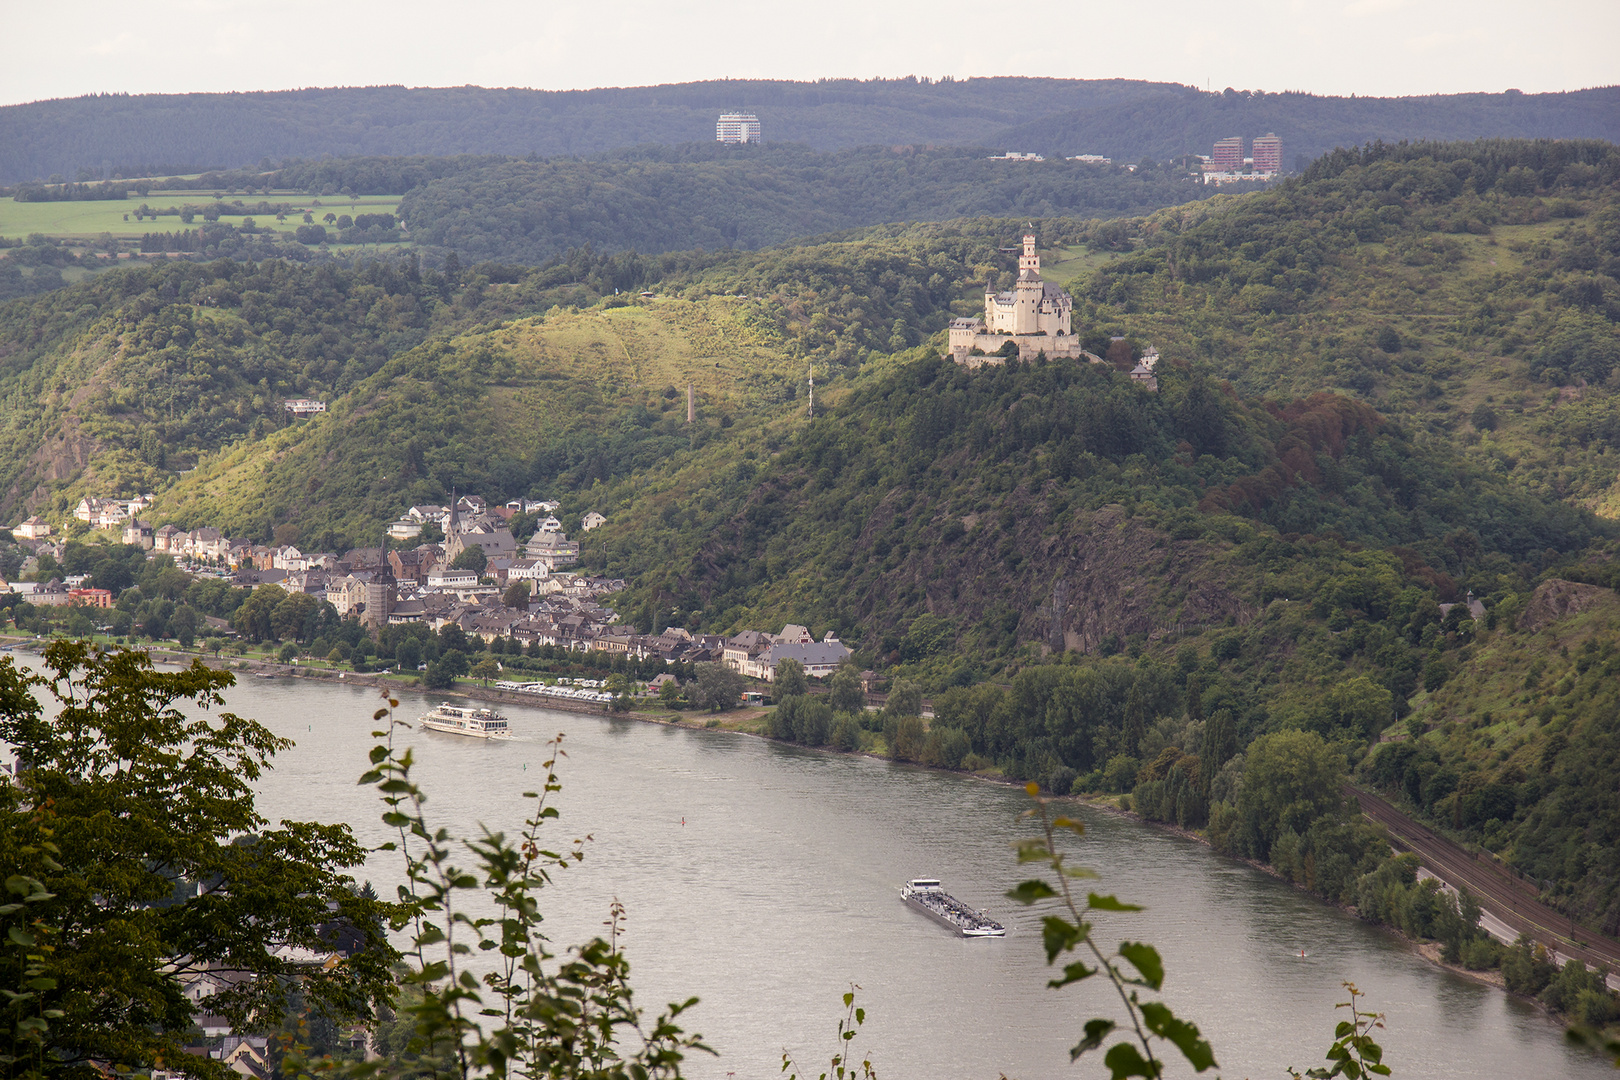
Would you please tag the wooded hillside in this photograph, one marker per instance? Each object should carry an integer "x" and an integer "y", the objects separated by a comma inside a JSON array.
[
  {"x": 1386, "y": 385},
  {"x": 161, "y": 134}
]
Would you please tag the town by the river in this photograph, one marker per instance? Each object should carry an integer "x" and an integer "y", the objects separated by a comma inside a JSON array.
[{"x": 763, "y": 878}]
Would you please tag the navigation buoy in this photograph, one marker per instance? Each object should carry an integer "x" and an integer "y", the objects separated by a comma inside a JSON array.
[{"x": 683, "y": 821}]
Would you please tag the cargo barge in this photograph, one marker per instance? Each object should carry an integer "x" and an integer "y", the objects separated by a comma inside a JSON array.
[{"x": 926, "y": 895}]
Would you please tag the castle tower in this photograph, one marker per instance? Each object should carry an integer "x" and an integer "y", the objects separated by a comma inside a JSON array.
[{"x": 1027, "y": 309}]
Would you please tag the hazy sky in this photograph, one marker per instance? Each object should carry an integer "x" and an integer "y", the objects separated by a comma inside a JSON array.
[{"x": 1376, "y": 47}]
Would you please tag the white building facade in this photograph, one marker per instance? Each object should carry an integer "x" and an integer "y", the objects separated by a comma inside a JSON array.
[{"x": 737, "y": 127}]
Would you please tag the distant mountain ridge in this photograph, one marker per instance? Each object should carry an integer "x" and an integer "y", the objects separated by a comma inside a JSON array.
[{"x": 1124, "y": 119}]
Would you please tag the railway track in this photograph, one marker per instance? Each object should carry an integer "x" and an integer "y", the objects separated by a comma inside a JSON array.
[{"x": 1513, "y": 900}]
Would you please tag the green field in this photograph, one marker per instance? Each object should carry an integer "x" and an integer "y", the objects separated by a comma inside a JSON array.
[
  {"x": 89, "y": 220},
  {"x": 1066, "y": 265}
]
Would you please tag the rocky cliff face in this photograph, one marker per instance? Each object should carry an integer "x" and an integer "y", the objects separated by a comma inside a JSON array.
[
  {"x": 1556, "y": 599},
  {"x": 1073, "y": 580}
]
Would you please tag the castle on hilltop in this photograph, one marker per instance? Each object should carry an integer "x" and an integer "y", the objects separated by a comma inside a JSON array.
[{"x": 1036, "y": 315}]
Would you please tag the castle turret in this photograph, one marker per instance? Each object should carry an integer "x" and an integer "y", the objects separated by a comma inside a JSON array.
[{"x": 1029, "y": 261}]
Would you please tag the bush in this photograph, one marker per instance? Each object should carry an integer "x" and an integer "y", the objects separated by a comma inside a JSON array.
[
  {"x": 1481, "y": 954},
  {"x": 1119, "y": 775},
  {"x": 1526, "y": 968},
  {"x": 812, "y": 722},
  {"x": 905, "y": 736},
  {"x": 945, "y": 748},
  {"x": 779, "y": 724},
  {"x": 1060, "y": 781},
  {"x": 846, "y": 733}
]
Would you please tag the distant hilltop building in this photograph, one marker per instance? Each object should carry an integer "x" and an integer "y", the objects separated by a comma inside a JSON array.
[
  {"x": 1268, "y": 154},
  {"x": 1035, "y": 316},
  {"x": 1014, "y": 155},
  {"x": 1227, "y": 165},
  {"x": 737, "y": 128},
  {"x": 1227, "y": 156},
  {"x": 304, "y": 407},
  {"x": 1092, "y": 159}
]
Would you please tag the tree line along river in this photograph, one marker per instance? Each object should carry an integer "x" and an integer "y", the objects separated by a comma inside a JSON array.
[{"x": 763, "y": 878}]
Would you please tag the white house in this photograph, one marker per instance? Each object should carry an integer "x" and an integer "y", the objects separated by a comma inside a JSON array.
[
  {"x": 32, "y": 529},
  {"x": 820, "y": 659},
  {"x": 452, "y": 579},
  {"x": 527, "y": 570},
  {"x": 592, "y": 520}
]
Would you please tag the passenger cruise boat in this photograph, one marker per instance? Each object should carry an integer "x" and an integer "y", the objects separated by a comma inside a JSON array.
[
  {"x": 926, "y": 895},
  {"x": 457, "y": 720}
]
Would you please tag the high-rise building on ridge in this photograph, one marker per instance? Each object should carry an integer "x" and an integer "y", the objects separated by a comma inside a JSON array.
[
  {"x": 1268, "y": 154},
  {"x": 1228, "y": 156},
  {"x": 737, "y": 128}
]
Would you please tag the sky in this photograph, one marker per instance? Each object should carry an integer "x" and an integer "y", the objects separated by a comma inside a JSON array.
[{"x": 1377, "y": 48}]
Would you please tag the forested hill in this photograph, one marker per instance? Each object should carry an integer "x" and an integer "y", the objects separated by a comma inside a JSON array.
[
  {"x": 1123, "y": 119},
  {"x": 1163, "y": 126},
  {"x": 711, "y": 196},
  {"x": 1386, "y": 384}
]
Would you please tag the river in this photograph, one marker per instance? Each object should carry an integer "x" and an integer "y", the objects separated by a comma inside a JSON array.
[{"x": 763, "y": 879}]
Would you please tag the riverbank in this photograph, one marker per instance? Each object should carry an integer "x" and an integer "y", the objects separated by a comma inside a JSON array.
[
  {"x": 742, "y": 721},
  {"x": 275, "y": 669},
  {"x": 1428, "y": 950}
]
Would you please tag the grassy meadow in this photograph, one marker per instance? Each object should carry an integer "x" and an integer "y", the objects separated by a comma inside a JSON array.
[
  {"x": 90, "y": 220},
  {"x": 1067, "y": 265}
]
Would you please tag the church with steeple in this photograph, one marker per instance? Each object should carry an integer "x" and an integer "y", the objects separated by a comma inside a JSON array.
[{"x": 1036, "y": 315}]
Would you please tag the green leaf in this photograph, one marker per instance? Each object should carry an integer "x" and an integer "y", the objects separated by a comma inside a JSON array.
[
  {"x": 1059, "y": 935},
  {"x": 1145, "y": 958},
  {"x": 1164, "y": 1024},
  {"x": 1123, "y": 1061},
  {"x": 20, "y": 936},
  {"x": 1032, "y": 850},
  {"x": 1076, "y": 827},
  {"x": 1096, "y": 1031},
  {"x": 1072, "y": 973},
  {"x": 1108, "y": 903},
  {"x": 1028, "y": 892}
]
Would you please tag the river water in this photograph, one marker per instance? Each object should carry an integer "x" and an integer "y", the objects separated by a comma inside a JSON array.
[{"x": 763, "y": 879}]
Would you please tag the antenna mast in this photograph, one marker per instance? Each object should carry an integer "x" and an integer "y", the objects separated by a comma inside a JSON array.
[{"x": 812, "y": 410}]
